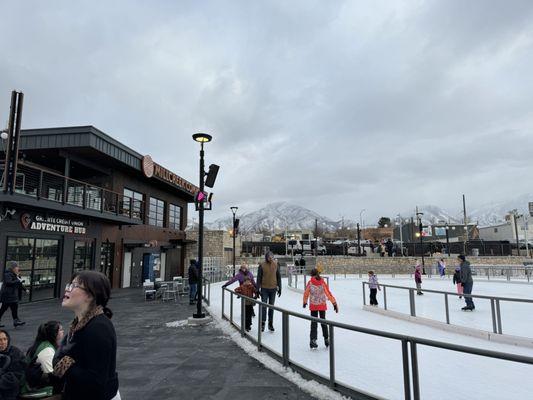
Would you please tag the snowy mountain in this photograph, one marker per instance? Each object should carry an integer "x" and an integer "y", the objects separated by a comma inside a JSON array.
[
  {"x": 494, "y": 212},
  {"x": 277, "y": 217},
  {"x": 434, "y": 214}
]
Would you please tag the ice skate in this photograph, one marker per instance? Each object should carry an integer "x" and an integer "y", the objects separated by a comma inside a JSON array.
[
  {"x": 326, "y": 342},
  {"x": 313, "y": 344},
  {"x": 271, "y": 327}
]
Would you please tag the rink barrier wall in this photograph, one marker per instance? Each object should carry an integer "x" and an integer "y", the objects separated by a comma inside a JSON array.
[
  {"x": 494, "y": 304},
  {"x": 409, "y": 346},
  {"x": 463, "y": 330}
]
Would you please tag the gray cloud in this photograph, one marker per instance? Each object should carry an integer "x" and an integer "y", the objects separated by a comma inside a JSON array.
[{"x": 336, "y": 106}]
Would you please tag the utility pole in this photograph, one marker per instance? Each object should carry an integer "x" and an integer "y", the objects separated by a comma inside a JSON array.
[
  {"x": 13, "y": 131},
  {"x": 515, "y": 217},
  {"x": 358, "y": 240}
]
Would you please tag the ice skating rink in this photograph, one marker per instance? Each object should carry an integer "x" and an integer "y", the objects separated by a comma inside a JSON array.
[{"x": 374, "y": 364}]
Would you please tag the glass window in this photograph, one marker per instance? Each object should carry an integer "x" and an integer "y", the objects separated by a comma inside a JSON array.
[
  {"x": 132, "y": 200},
  {"x": 156, "y": 214},
  {"x": 174, "y": 217},
  {"x": 83, "y": 255}
]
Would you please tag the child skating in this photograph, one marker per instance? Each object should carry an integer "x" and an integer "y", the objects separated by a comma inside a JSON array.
[
  {"x": 247, "y": 289},
  {"x": 418, "y": 279},
  {"x": 317, "y": 292},
  {"x": 457, "y": 281},
  {"x": 373, "y": 284}
]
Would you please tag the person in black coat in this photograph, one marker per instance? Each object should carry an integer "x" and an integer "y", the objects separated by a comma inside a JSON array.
[
  {"x": 11, "y": 293},
  {"x": 12, "y": 367},
  {"x": 86, "y": 360},
  {"x": 193, "y": 280}
]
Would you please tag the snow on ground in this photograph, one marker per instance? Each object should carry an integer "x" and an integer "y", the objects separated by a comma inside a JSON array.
[{"x": 374, "y": 364}]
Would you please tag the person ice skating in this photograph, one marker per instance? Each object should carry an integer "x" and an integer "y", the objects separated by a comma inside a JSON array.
[
  {"x": 373, "y": 284},
  {"x": 193, "y": 280},
  {"x": 317, "y": 292},
  {"x": 268, "y": 283},
  {"x": 247, "y": 289},
  {"x": 418, "y": 278},
  {"x": 442, "y": 268},
  {"x": 467, "y": 282},
  {"x": 240, "y": 276},
  {"x": 11, "y": 293},
  {"x": 86, "y": 359},
  {"x": 457, "y": 281}
]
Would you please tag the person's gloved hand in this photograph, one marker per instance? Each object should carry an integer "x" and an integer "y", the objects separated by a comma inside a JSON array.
[
  {"x": 279, "y": 292},
  {"x": 225, "y": 285},
  {"x": 305, "y": 305},
  {"x": 335, "y": 307}
]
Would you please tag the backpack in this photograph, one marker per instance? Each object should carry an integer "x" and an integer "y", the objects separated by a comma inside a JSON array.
[{"x": 34, "y": 373}]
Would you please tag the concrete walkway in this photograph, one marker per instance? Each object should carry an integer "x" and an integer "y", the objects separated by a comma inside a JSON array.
[{"x": 157, "y": 362}]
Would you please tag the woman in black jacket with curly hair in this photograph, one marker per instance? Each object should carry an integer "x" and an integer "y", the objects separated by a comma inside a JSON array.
[{"x": 86, "y": 360}]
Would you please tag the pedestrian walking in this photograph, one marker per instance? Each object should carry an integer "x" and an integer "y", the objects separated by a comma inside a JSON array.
[
  {"x": 389, "y": 247},
  {"x": 418, "y": 278},
  {"x": 442, "y": 268},
  {"x": 247, "y": 289},
  {"x": 373, "y": 284},
  {"x": 317, "y": 292},
  {"x": 86, "y": 359},
  {"x": 457, "y": 281},
  {"x": 268, "y": 283},
  {"x": 467, "y": 282},
  {"x": 11, "y": 293},
  {"x": 193, "y": 280},
  {"x": 11, "y": 368},
  {"x": 39, "y": 377}
]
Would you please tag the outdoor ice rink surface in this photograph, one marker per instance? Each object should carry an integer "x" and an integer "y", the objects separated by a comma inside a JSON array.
[{"x": 374, "y": 364}]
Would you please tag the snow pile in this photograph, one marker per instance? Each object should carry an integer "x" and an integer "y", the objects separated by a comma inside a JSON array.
[{"x": 177, "y": 324}]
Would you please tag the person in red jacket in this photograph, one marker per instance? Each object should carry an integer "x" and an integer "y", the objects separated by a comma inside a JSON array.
[{"x": 317, "y": 292}]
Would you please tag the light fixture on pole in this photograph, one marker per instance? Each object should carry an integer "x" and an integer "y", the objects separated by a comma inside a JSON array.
[
  {"x": 201, "y": 138},
  {"x": 234, "y": 233}
]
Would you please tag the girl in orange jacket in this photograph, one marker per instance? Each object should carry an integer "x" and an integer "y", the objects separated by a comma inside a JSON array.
[{"x": 317, "y": 292}]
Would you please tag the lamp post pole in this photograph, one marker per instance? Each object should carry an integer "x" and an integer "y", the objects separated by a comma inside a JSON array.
[
  {"x": 447, "y": 227},
  {"x": 201, "y": 138},
  {"x": 419, "y": 216},
  {"x": 401, "y": 234},
  {"x": 358, "y": 240},
  {"x": 233, "y": 233},
  {"x": 515, "y": 217}
]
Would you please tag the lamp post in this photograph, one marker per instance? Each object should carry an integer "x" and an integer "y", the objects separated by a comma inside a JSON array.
[
  {"x": 419, "y": 217},
  {"x": 201, "y": 138},
  {"x": 447, "y": 227},
  {"x": 358, "y": 240},
  {"x": 515, "y": 217},
  {"x": 233, "y": 233},
  {"x": 400, "y": 222}
]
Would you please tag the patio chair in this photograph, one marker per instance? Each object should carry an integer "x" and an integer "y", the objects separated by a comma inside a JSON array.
[
  {"x": 170, "y": 292},
  {"x": 149, "y": 290}
]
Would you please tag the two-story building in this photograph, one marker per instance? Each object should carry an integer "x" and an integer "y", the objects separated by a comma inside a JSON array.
[{"x": 83, "y": 200}]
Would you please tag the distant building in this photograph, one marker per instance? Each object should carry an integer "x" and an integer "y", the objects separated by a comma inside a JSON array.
[
  {"x": 506, "y": 230},
  {"x": 437, "y": 232}
]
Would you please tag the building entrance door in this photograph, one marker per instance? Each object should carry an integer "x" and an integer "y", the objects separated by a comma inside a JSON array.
[
  {"x": 107, "y": 251},
  {"x": 38, "y": 260}
]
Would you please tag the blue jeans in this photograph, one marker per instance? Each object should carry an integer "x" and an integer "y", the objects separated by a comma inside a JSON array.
[
  {"x": 467, "y": 289},
  {"x": 193, "y": 287},
  {"x": 268, "y": 296}
]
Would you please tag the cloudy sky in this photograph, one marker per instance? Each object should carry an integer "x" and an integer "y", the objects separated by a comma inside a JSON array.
[{"x": 332, "y": 105}]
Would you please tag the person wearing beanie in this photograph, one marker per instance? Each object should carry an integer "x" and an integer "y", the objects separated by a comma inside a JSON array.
[
  {"x": 467, "y": 282},
  {"x": 268, "y": 283},
  {"x": 11, "y": 293},
  {"x": 86, "y": 360},
  {"x": 317, "y": 292}
]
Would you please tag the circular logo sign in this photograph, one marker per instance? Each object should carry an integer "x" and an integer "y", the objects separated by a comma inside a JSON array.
[{"x": 148, "y": 166}]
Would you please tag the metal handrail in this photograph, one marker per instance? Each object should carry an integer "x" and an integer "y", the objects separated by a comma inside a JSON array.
[
  {"x": 494, "y": 302},
  {"x": 409, "y": 358}
]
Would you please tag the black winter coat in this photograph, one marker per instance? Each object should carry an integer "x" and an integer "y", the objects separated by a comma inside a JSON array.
[
  {"x": 193, "y": 274},
  {"x": 12, "y": 367},
  {"x": 94, "y": 348},
  {"x": 11, "y": 288}
]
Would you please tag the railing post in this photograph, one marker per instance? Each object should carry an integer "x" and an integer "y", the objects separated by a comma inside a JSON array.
[
  {"x": 412, "y": 302},
  {"x": 117, "y": 201},
  {"x": 331, "y": 356},
  {"x": 102, "y": 200},
  {"x": 499, "y": 316},
  {"x": 259, "y": 323},
  {"x": 243, "y": 318},
  {"x": 406, "y": 377},
  {"x": 231, "y": 308},
  {"x": 414, "y": 369},
  {"x": 223, "y": 295},
  {"x": 385, "y": 297},
  {"x": 84, "y": 202},
  {"x": 40, "y": 188},
  {"x": 493, "y": 314},
  {"x": 364, "y": 294},
  {"x": 446, "y": 305},
  {"x": 285, "y": 338},
  {"x": 130, "y": 200}
]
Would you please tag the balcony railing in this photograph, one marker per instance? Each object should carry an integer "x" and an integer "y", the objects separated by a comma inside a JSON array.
[{"x": 42, "y": 184}]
